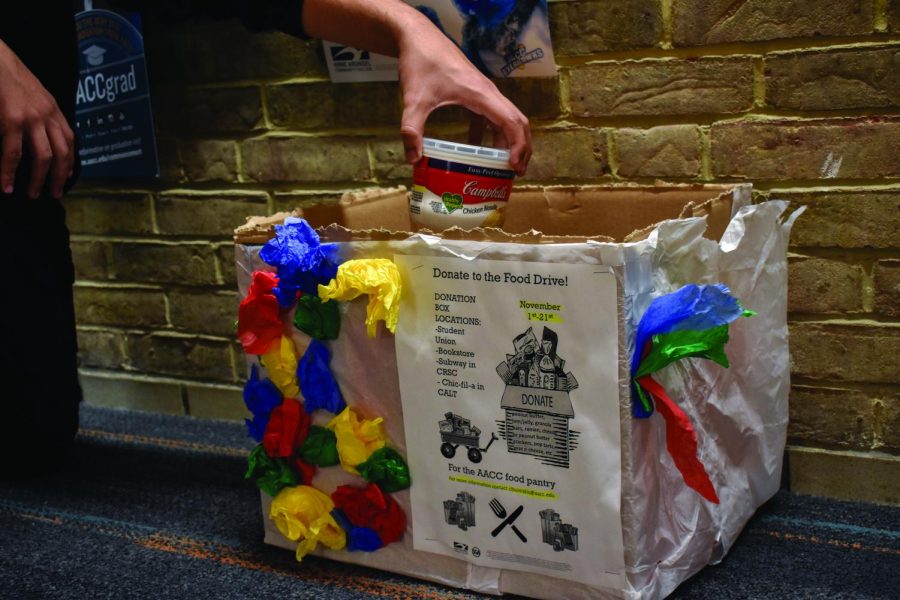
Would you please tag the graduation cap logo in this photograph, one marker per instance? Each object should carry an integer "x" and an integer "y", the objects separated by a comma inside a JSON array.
[{"x": 94, "y": 55}]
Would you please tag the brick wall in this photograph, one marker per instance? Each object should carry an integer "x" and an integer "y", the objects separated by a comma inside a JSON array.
[{"x": 800, "y": 98}]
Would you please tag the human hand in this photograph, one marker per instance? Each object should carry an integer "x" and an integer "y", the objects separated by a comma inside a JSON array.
[
  {"x": 434, "y": 73},
  {"x": 29, "y": 114}
]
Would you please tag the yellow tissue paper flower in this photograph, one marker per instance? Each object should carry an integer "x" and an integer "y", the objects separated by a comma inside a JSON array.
[
  {"x": 357, "y": 438},
  {"x": 281, "y": 364},
  {"x": 377, "y": 277},
  {"x": 303, "y": 514}
]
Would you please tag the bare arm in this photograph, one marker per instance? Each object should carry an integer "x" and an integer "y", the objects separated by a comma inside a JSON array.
[
  {"x": 30, "y": 115},
  {"x": 433, "y": 71}
]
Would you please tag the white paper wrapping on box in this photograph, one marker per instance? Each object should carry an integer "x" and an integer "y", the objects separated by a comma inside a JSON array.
[{"x": 740, "y": 414}]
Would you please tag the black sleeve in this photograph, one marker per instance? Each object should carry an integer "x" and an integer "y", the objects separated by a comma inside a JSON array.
[
  {"x": 259, "y": 15},
  {"x": 256, "y": 15}
]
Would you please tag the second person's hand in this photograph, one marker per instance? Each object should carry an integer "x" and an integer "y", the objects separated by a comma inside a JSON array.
[
  {"x": 434, "y": 73},
  {"x": 433, "y": 70},
  {"x": 30, "y": 116}
]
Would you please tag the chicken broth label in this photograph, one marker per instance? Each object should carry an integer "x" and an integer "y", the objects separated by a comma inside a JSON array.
[
  {"x": 509, "y": 382},
  {"x": 447, "y": 193}
]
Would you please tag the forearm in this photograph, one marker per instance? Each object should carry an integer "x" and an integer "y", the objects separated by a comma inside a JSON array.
[
  {"x": 8, "y": 59},
  {"x": 381, "y": 26}
]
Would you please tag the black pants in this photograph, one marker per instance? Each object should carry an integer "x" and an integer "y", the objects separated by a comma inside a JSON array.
[{"x": 38, "y": 349}]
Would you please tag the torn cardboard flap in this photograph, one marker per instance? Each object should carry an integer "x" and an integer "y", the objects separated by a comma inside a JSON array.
[
  {"x": 259, "y": 230},
  {"x": 339, "y": 233},
  {"x": 613, "y": 211},
  {"x": 556, "y": 214}
]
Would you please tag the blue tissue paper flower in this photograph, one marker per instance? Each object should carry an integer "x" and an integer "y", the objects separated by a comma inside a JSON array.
[
  {"x": 317, "y": 384},
  {"x": 261, "y": 397},
  {"x": 694, "y": 307},
  {"x": 302, "y": 261},
  {"x": 363, "y": 539}
]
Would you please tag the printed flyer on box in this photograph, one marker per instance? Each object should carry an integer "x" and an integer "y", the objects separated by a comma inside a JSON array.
[
  {"x": 502, "y": 38},
  {"x": 512, "y": 427}
]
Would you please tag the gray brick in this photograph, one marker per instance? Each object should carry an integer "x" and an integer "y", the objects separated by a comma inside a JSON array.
[
  {"x": 568, "y": 154},
  {"x": 662, "y": 87},
  {"x": 182, "y": 112},
  {"x": 831, "y": 417},
  {"x": 90, "y": 260},
  {"x": 591, "y": 27},
  {"x": 701, "y": 22},
  {"x": 818, "y": 285},
  {"x": 120, "y": 214},
  {"x": 834, "y": 80},
  {"x": 204, "y": 312},
  {"x": 120, "y": 307},
  {"x": 183, "y": 264},
  {"x": 390, "y": 162},
  {"x": 845, "y": 476},
  {"x": 665, "y": 151},
  {"x": 207, "y": 214},
  {"x": 101, "y": 349},
  {"x": 834, "y": 352},
  {"x": 144, "y": 394},
  {"x": 204, "y": 51},
  {"x": 217, "y": 402},
  {"x": 809, "y": 149},
  {"x": 305, "y": 159},
  {"x": 180, "y": 357},
  {"x": 208, "y": 160},
  {"x": 846, "y": 219},
  {"x": 887, "y": 288}
]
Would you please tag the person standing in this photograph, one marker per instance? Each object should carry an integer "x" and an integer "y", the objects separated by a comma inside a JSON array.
[
  {"x": 38, "y": 164},
  {"x": 38, "y": 369}
]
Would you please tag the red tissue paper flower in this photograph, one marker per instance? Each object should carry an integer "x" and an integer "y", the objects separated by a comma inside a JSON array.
[
  {"x": 287, "y": 429},
  {"x": 259, "y": 318},
  {"x": 370, "y": 507}
]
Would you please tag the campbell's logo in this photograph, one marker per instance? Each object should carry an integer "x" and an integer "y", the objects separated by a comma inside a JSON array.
[{"x": 498, "y": 192}]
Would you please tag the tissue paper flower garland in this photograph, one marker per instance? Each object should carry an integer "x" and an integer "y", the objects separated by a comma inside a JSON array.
[
  {"x": 691, "y": 322},
  {"x": 284, "y": 464}
]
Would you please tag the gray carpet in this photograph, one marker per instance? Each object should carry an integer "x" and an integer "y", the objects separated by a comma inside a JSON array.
[{"x": 155, "y": 506}]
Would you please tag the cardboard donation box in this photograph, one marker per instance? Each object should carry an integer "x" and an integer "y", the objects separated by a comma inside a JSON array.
[{"x": 555, "y": 446}]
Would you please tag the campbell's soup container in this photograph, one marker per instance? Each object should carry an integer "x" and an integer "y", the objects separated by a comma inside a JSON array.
[{"x": 460, "y": 185}]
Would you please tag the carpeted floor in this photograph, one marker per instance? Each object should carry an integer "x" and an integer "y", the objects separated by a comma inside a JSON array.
[{"x": 153, "y": 506}]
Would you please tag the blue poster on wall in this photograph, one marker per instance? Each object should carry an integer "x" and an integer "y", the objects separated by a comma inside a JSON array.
[{"x": 113, "y": 119}]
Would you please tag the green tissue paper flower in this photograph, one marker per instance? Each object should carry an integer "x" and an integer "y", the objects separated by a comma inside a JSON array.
[
  {"x": 320, "y": 320},
  {"x": 320, "y": 447},
  {"x": 272, "y": 474},
  {"x": 386, "y": 468}
]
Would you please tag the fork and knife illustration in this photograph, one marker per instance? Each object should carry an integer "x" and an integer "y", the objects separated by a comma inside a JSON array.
[{"x": 508, "y": 519}]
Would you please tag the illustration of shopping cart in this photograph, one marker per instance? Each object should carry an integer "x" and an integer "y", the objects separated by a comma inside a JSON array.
[{"x": 457, "y": 431}]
